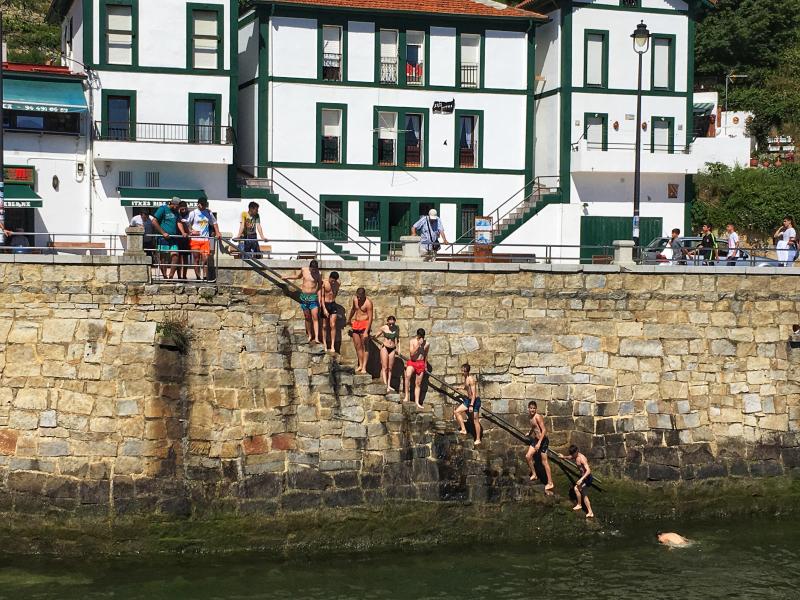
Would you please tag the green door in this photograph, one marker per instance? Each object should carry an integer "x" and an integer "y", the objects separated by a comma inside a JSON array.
[
  {"x": 399, "y": 220},
  {"x": 598, "y": 234}
]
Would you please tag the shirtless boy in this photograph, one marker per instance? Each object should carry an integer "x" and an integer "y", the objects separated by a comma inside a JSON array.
[
  {"x": 582, "y": 485},
  {"x": 417, "y": 364},
  {"x": 471, "y": 404},
  {"x": 672, "y": 539},
  {"x": 330, "y": 289},
  {"x": 310, "y": 297},
  {"x": 539, "y": 444},
  {"x": 360, "y": 320}
]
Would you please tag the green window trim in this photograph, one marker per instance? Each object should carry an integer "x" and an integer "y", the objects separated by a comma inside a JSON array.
[
  {"x": 400, "y": 159},
  {"x": 402, "y": 55},
  {"x": 343, "y": 138},
  {"x": 460, "y": 204},
  {"x": 104, "y": 4},
  {"x": 341, "y": 233},
  {"x": 604, "y": 117},
  {"x": 671, "y": 143},
  {"x": 106, "y": 94},
  {"x": 457, "y": 138},
  {"x": 217, "y": 100},
  {"x": 604, "y": 68},
  {"x": 191, "y": 8},
  {"x": 671, "y": 67},
  {"x": 481, "y": 57},
  {"x": 342, "y": 25}
]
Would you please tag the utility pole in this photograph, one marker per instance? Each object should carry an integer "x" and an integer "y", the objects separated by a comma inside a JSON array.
[{"x": 2, "y": 134}]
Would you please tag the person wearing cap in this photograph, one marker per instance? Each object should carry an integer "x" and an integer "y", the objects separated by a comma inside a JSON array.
[
  {"x": 430, "y": 230},
  {"x": 169, "y": 226}
]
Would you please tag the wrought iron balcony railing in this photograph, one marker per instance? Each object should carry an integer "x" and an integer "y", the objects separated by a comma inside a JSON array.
[{"x": 163, "y": 133}]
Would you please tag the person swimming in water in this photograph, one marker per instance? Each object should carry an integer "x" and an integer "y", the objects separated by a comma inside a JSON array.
[{"x": 671, "y": 539}]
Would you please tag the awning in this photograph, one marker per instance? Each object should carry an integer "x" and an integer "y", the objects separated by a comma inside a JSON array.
[
  {"x": 44, "y": 96},
  {"x": 704, "y": 108},
  {"x": 150, "y": 197},
  {"x": 21, "y": 196}
]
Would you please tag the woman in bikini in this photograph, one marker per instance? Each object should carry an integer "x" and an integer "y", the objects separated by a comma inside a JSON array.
[{"x": 391, "y": 334}]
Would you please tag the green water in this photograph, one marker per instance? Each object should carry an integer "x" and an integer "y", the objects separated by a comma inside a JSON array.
[{"x": 730, "y": 559}]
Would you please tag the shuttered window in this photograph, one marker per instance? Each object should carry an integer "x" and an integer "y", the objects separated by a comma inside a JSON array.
[
  {"x": 663, "y": 63},
  {"x": 119, "y": 34},
  {"x": 596, "y": 59},
  {"x": 331, "y": 136},
  {"x": 205, "y": 39}
]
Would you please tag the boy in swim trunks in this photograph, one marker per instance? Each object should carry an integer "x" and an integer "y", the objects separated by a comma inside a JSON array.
[
  {"x": 417, "y": 364},
  {"x": 360, "y": 320},
  {"x": 539, "y": 444},
  {"x": 310, "y": 297},
  {"x": 582, "y": 485},
  {"x": 330, "y": 310},
  {"x": 471, "y": 404}
]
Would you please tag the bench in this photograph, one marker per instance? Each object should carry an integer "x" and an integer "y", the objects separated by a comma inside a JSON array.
[{"x": 82, "y": 247}]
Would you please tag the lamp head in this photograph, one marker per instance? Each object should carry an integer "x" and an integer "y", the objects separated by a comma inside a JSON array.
[{"x": 641, "y": 38}]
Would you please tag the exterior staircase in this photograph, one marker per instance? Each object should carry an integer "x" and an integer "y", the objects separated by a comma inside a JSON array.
[{"x": 526, "y": 209}]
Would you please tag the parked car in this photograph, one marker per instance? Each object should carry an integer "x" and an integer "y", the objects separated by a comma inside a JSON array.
[{"x": 657, "y": 253}]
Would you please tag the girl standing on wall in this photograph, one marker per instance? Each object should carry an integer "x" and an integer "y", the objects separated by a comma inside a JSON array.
[{"x": 391, "y": 336}]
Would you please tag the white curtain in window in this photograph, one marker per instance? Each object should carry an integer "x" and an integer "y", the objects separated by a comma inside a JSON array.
[
  {"x": 594, "y": 132},
  {"x": 594, "y": 59},
  {"x": 120, "y": 36},
  {"x": 470, "y": 49},
  {"x": 661, "y": 136},
  {"x": 388, "y": 43},
  {"x": 331, "y": 123},
  {"x": 661, "y": 52},
  {"x": 331, "y": 39}
]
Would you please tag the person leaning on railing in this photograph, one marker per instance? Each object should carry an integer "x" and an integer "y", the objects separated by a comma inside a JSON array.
[
  {"x": 145, "y": 221},
  {"x": 431, "y": 230}
]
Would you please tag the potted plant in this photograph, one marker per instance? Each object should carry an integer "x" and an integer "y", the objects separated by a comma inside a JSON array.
[
  {"x": 754, "y": 161},
  {"x": 174, "y": 333}
]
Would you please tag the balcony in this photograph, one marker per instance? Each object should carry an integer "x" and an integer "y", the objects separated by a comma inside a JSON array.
[
  {"x": 389, "y": 72},
  {"x": 330, "y": 150},
  {"x": 415, "y": 74},
  {"x": 331, "y": 67},
  {"x": 470, "y": 74},
  {"x": 466, "y": 157},
  {"x": 413, "y": 156},
  {"x": 386, "y": 156},
  {"x": 155, "y": 141}
]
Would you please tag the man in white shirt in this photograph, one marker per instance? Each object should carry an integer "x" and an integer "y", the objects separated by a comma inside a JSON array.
[
  {"x": 733, "y": 245},
  {"x": 145, "y": 221},
  {"x": 202, "y": 224}
]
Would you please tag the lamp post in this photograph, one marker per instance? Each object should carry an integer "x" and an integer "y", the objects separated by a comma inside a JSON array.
[
  {"x": 641, "y": 44},
  {"x": 2, "y": 147}
]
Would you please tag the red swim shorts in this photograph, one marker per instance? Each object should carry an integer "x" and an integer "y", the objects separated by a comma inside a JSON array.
[{"x": 419, "y": 366}]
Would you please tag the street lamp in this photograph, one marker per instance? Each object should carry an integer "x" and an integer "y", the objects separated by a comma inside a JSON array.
[{"x": 641, "y": 44}]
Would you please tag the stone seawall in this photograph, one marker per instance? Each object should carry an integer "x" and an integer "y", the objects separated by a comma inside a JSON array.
[{"x": 658, "y": 374}]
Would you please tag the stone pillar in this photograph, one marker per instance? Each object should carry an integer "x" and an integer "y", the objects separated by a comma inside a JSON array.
[
  {"x": 411, "y": 251},
  {"x": 623, "y": 252},
  {"x": 135, "y": 242}
]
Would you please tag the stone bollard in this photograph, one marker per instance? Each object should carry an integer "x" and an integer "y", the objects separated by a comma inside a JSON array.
[
  {"x": 410, "y": 248},
  {"x": 623, "y": 252},
  {"x": 135, "y": 241}
]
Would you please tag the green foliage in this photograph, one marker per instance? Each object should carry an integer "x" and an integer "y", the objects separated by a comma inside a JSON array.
[
  {"x": 30, "y": 39},
  {"x": 755, "y": 200},
  {"x": 175, "y": 332}
]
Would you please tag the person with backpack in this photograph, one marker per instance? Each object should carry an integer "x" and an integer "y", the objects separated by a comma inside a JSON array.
[{"x": 430, "y": 230}]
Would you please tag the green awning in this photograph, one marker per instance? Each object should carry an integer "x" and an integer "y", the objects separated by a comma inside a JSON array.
[
  {"x": 21, "y": 196},
  {"x": 704, "y": 108},
  {"x": 150, "y": 197},
  {"x": 44, "y": 96}
]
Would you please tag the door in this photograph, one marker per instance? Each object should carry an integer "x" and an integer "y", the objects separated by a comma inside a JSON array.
[
  {"x": 598, "y": 234},
  {"x": 119, "y": 118},
  {"x": 205, "y": 119},
  {"x": 399, "y": 220},
  {"x": 596, "y": 133},
  {"x": 662, "y": 135}
]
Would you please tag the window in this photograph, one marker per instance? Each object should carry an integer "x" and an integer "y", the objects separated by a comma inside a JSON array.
[
  {"x": 413, "y": 140},
  {"x": 662, "y": 135},
  {"x": 330, "y": 150},
  {"x": 388, "y": 66},
  {"x": 119, "y": 36},
  {"x": 331, "y": 53},
  {"x": 663, "y": 62},
  {"x": 204, "y": 119},
  {"x": 595, "y": 70},
  {"x": 415, "y": 53},
  {"x": 630, "y": 3},
  {"x": 125, "y": 178},
  {"x": 468, "y": 133},
  {"x": 596, "y": 131},
  {"x": 334, "y": 219},
  {"x": 466, "y": 221},
  {"x": 152, "y": 179},
  {"x": 20, "y": 120},
  {"x": 371, "y": 217},
  {"x": 470, "y": 60},
  {"x": 120, "y": 117},
  {"x": 206, "y": 39},
  {"x": 387, "y": 139}
]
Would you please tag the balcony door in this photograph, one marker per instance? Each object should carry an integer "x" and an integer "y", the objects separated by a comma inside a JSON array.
[
  {"x": 204, "y": 121},
  {"x": 120, "y": 116}
]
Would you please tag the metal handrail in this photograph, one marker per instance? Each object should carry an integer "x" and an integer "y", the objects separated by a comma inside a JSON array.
[{"x": 164, "y": 133}]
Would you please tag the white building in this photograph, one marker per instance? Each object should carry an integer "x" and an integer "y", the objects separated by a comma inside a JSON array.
[
  {"x": 363, "y": 116},
  {"x": 163, "y": 102}
]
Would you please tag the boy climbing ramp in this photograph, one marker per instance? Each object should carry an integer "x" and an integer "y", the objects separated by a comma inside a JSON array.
[
  {"x": 582, "y": 485},
  {"x": 471, "y": 404},
  {"x": 539, "y": 444}
]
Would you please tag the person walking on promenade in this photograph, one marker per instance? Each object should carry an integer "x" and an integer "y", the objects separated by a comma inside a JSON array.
[
  {"x": 202, "y": 223},
  {"x": 471, "y": 404},
  {"x": 310, "y": 298},
  {"x": 707, "y": 248},
  {"x": 539, "y": 443},
  {"x": 360, "y": 320},
  {"x": 390, "y": 333},
  {"x": 431, "y": 231},
  {"x": 250, "y": 233},
  {"x": 169, "y": 226},
  {"x": 417, "y": 364},
  {"x": 330, "y": 310},
  {"x": 733, "y": 244},
  {"x": 675, "y": 244},
  {"x": 786, "y": 242},
  {"x": 582, "y": 485}
]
